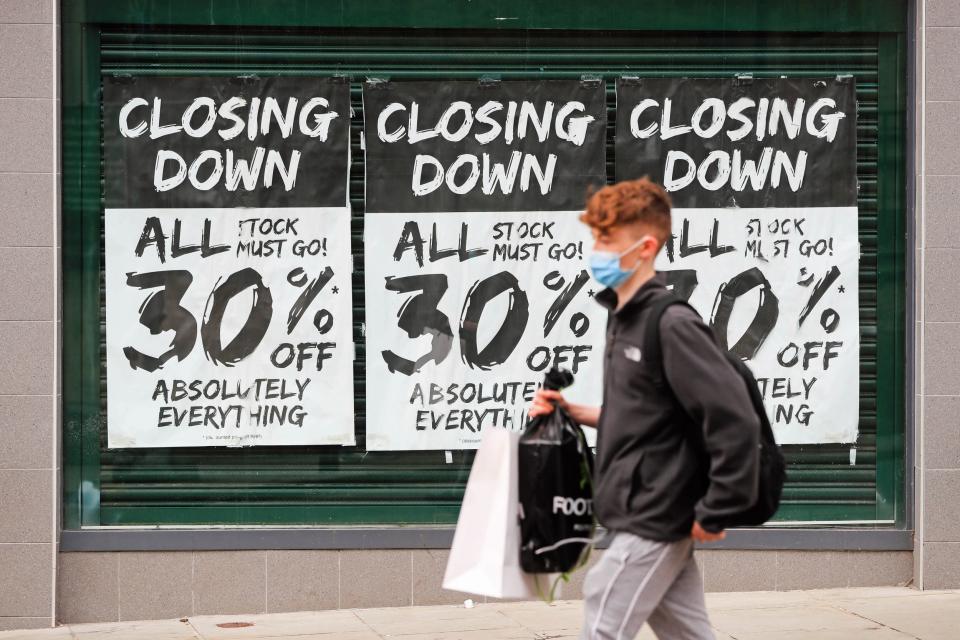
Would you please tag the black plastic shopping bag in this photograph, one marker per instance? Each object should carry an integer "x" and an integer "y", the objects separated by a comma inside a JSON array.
[{"x": 556, "y": 507}]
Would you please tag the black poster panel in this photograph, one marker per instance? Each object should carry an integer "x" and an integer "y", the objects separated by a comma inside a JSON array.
[
  {"x": 226, "y": 141},
  {"x": 483, "y": 146},
  {"x": 741, "y": 142}
]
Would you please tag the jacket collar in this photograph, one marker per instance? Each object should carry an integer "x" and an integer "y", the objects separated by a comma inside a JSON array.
[{"x": 643, "y": 295}]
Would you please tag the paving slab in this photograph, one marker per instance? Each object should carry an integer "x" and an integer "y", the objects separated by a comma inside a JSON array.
[
  {"x": 450, "y": 619},
  {"x": 153, "y": 629},
  {"x": 337, "y": 635},
  {"x": 932, "y": 617},
  {"x": 58, "y": 633},
  {"x": 869, "y": 634},
  {"x": 565, "y": 617},
  {"x": 830, "y": 614},
  {"x": 325, "y": 625},
  {"x": 810, "y": 619},
  {"x": 732, "y": 601},
  {"x": 872, "y": 593},
  {"x": 515, "y": 633}
]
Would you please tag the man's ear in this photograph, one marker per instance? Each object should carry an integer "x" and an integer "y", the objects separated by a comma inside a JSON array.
[{"x": 650, "y": 247}]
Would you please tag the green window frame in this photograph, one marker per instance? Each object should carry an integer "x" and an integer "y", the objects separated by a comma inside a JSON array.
[{"x": 363, "y": 39}]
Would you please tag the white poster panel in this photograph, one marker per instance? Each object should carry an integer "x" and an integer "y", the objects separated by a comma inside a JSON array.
[
  {"x": 460, "y": 334},
  {"x": 229, "y": 327},
  {"x": 780, "y": 288},
  {"x": 475, "y": 261},
  {"x": 762, "y": 173},
  {"x": 229, "y": 319}
]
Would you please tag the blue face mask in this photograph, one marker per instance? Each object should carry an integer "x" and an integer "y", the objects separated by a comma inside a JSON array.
[{"x": 605, "y": 266}]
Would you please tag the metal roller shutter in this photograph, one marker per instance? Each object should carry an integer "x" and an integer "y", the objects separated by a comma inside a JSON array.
[{"x": 315, "y": 485}]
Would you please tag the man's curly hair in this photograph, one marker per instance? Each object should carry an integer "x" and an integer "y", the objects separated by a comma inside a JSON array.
[{"x": 642, "y": 201}]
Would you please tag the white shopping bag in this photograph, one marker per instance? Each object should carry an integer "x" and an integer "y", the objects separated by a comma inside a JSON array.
[{"x": 485, "y": 557}]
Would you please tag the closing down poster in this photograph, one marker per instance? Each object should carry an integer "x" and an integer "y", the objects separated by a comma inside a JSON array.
[
  {"x": 228, "y": 300},
  {"x": 476, "y": 274},
  {"x": 762, "y": 174}
]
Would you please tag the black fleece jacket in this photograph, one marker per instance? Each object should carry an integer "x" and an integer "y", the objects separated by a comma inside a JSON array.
[{"x": 665, "y": 459}]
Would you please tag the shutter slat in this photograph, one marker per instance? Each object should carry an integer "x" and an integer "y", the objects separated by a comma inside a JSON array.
[{"x": 326, "y": 485}]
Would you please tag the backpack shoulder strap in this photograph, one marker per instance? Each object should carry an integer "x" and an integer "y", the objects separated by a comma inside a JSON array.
[{"x": 652, "y": 346}]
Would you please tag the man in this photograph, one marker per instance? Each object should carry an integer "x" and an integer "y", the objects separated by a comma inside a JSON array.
[{"x": 671, "y": 463}]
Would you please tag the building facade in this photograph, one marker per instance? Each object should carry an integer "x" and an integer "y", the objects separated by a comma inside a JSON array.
[{"x": 102, "y": 518}]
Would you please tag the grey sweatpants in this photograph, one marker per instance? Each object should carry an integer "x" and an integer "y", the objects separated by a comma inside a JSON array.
[{"x": 639, "y": 580}]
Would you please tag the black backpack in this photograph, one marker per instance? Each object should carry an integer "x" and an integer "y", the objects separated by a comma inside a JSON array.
[{"x": 773, "y": 467}]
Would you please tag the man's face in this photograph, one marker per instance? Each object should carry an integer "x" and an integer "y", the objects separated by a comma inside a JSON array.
[{"x": 621, "y": 238}]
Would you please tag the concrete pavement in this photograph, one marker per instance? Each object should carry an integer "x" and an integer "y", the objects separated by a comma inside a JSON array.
[{"x": 884, "y": 613}]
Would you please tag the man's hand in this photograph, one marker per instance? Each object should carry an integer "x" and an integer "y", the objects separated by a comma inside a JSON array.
[
  {"x": 702, "y": 535},
  {"x": 544, "y": 401}
]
